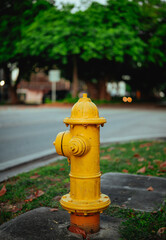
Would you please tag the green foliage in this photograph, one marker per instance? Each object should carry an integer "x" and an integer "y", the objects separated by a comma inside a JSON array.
[
  {"x": 14, "y": 17},
  {"x": 121, "y": 32},
  {"x": 90, "y": 34}
]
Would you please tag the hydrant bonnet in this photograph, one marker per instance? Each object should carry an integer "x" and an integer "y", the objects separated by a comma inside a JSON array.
[{"x": 85, "y": 112}]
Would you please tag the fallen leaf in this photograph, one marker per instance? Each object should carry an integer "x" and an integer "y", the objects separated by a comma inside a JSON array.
[
  {"x": 35, "y": 195},
  {"x": 150, "y": 188},
  {"x": 12, "y": 208},
  {"x": 57, "y": 198},
  {"x": 133, "y": 149},
  {"x": 35, "y": 176},
  {"x": 56, "y": 179},
  {"x": 160, "y": 174},
  {"x": 125, "y": 171},
  {"x": 123, "y": 149},
  {"x": 161, "y": 231},
  {"x": 154, "y": 212},
  {"x": 140, "y": 164},
  {"x": 3, "y": 190},
  {"x": 110, "y": 149},
  {"x": 54, "y": 209},
  {"x": 157, "y": 161},
  {"x": 67, "y": 185},
  {"x": 141, "y": 159},
  {"x": 77, "y": 230},
  {"x": 142, "y": 170},
  {"x": 61, "y": 169},
  {"x": 123, "y": 205},
  {"x": 38, "y": 193},
  {"x": 29, "y": 200},
  {"x": 150, "y": 166},
  {"x": 147, "y": 149},
  {"x": 102, "y": 151},
  {"x": 145, "y": 145},
  {"x": 136, "y": 155},
  {"x": 128, "y": 163},
  {"x": 16, "y": 209},
  {"x": 163, "y": 167}
]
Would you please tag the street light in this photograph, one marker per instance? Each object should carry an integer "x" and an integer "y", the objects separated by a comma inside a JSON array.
[{"x": 2, "y": 83}]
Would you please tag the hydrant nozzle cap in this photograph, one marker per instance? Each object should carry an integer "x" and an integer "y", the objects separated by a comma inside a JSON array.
[
  {"x": 85, "y": 112},
  {"x": 84, "y": 95}
]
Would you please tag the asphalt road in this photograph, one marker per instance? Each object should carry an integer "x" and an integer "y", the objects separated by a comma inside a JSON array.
[{"x": 32, "y": 130}]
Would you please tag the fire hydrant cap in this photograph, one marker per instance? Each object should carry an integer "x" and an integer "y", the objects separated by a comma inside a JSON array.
[{"x": 85, "y": 112}]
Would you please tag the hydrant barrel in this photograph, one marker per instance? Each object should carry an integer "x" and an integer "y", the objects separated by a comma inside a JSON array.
[{"x": 81, "y": 145}]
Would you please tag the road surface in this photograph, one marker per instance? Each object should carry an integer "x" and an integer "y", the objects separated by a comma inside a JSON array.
[{"x": 31, "y": 131}]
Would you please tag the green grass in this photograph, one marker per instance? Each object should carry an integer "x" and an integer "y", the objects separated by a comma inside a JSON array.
[
  {"x": 133, "y": 156},
  {"x": 144, "y": 226},
  {"x": 139, "y": 225},
  {"x": 44, "y": 186}
]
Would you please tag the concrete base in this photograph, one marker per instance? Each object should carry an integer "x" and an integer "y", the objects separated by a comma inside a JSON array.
[
  {"x": 130, "y": 191},
  {"x": 42, "y": 224}
]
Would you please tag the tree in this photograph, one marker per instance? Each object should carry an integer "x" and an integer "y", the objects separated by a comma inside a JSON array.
[
  {"x": 14, "y": 16},
  {"x": 151, "y": 73},
  {"x": 100, "y": 43},
  {"x": 131, "y": 36},
  {"x": 113, "y": 39}
]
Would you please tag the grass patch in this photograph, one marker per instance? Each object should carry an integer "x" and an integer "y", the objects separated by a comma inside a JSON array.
[
  {"x": 144, "y": 225},
  {"x": 44, "y": 186},
  {"x": 139, "y": 157},
  {"x": 140, "y": 225}
]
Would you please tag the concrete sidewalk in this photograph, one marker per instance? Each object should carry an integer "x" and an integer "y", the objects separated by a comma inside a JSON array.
[{"x": 125, "y": 190}]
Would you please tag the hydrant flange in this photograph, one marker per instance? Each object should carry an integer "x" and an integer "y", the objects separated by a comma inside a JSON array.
[{"x": 85, "y": 206}]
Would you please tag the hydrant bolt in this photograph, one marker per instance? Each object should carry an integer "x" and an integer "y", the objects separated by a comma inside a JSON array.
[{"x": 81, "y": 146}]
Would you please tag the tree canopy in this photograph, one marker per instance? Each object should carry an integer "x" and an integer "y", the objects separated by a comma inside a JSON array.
[{"x": 124, "y": 35}]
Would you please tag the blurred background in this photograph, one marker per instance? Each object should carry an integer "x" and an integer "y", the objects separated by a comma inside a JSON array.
[
  {"x": 113, "y": 50},
  {"x": 53, "y": 51}
]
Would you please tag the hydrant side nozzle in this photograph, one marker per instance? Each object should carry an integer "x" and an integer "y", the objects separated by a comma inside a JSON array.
[
  {"x": 66, "y": 145},
  {"x": 79, "y": 146},
  {"x": 57, "y": 143},
  {"x": 61, "y": 143}
]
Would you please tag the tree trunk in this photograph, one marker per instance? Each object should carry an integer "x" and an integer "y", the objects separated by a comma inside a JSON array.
[
  {"x": 92, "y": 90},
  {"x": 102, "y": 89},
  {"x": 12, "y": 95},
  {"x": 75, "y": 78}
]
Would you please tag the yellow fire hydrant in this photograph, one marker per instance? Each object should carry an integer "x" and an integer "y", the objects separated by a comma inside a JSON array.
[{"x": 81, "y": 145}]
